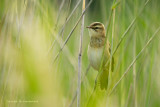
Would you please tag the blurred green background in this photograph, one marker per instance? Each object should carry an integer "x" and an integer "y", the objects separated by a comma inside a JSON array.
[{"x": 33, "y": 31}]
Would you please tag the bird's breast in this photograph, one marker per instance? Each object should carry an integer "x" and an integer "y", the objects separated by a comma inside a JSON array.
[{"x": 94, "y": 56}]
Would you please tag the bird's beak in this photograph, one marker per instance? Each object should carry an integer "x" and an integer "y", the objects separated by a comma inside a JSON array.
[{"x": 88, "y": 27}]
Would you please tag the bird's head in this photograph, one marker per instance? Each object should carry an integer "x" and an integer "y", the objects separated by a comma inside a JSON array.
[{"x": 96, "y": 29}]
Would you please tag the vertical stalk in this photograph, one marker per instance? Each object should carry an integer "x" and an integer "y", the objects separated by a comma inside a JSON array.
[
  {"x": 80, "y": 58},
  {"x": 123, "y": 86},
  {"x": 110, "y": 67},
  {"x": 134, "y": 56},
  {"x": 134, "y": 71}
]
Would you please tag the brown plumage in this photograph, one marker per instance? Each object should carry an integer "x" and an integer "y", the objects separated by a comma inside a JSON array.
[{"x": 95, "y": 50}]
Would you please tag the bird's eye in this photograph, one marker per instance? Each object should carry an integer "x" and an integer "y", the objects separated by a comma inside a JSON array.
[{"x": 96, "y": 27}]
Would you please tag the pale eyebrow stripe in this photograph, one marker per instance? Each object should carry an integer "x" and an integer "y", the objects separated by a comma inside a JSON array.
[{"x": 98, "y": 27}]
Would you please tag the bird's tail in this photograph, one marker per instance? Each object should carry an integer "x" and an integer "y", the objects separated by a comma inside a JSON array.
[{"x": 103, "y": 79}]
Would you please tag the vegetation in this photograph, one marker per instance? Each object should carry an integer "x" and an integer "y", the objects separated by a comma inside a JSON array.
[{"x": 43, "y": 53}]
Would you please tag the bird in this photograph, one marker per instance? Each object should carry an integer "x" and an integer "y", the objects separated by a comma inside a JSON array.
[{"x": 97, "y": 35}]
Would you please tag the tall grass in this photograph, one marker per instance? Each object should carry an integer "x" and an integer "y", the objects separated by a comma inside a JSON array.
[{"x": 36, "y": 33}]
